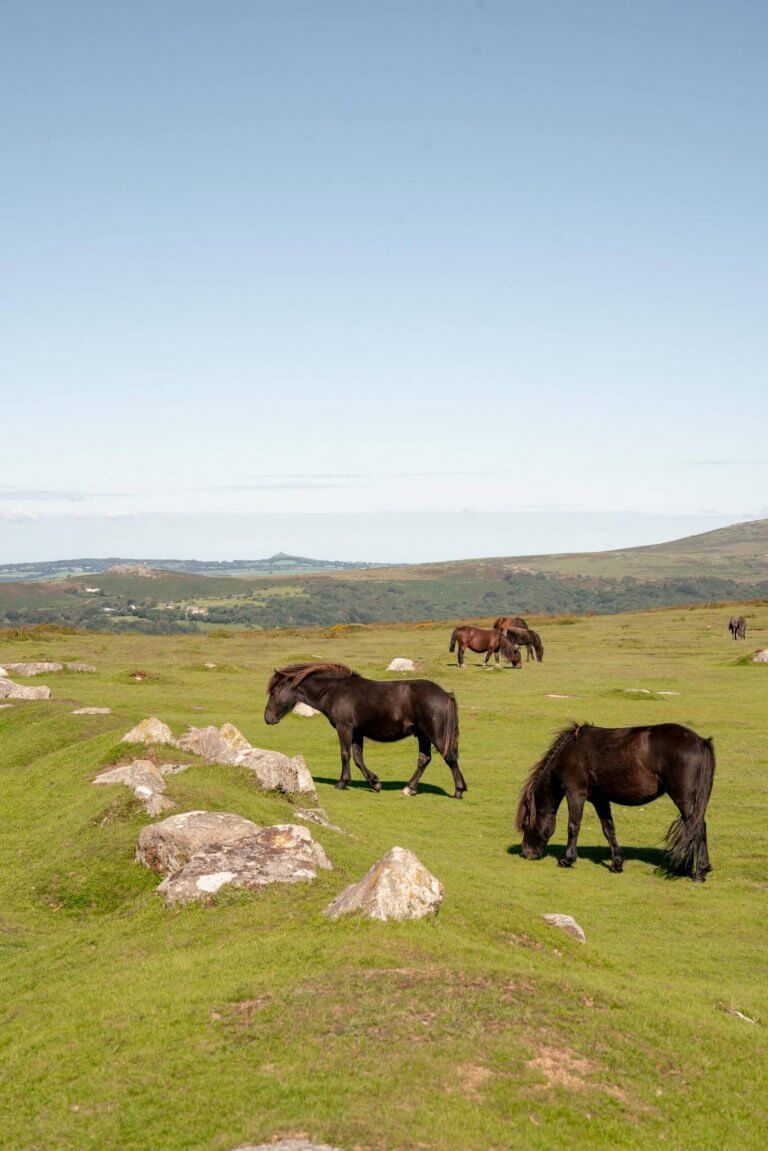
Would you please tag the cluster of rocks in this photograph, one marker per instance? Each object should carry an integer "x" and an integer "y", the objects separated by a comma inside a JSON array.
[
  {"x": 200, "y": 852},
  {"x": 225, "y": 744},
  {"x": 11, "y": 690}
]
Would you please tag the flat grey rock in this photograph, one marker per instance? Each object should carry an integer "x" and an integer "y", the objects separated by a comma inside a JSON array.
[
  {"x": 92, "y": 711},
  {"x": 276, "y": 772},
  {"x": 397, "y": 887},
  {"x": 11, "y": 690},
  {"x": 80, "y": 667},
  {"x": 286, "y": 853},
  {"x": 40, "y": 668},
  {"x": 166, "y": 847}
]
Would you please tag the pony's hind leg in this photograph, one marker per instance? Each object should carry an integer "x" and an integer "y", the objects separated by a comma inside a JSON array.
[
  {"x": 425, "y": 755},
  {"x": 603, "y": 809},
  {"x": 459, "y": 783},
  {"x": 576, "y": 802},
  {"x": 357, "y": 754}
]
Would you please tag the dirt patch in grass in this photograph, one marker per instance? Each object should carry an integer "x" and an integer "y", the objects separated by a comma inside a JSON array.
[{"x": 565, "y": 1068}]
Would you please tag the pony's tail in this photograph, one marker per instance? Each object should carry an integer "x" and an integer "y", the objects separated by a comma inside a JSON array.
[
  {"x": 447, "y": 736},
  {"x": 453, "y": 640},
  {"x": 538, "y": 646},
  {"x": 684, "y": 836}
]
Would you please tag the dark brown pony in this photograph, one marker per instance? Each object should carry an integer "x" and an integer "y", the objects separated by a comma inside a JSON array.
[
  {"x": 627, "y": 765},
  {"x": 505, "y": 621},
  {"x": 482, "y": 639},
  {"x": 527, "y": 638},
  {"x": 737, "y": 626},
  {"x": 383, "y": 711}
]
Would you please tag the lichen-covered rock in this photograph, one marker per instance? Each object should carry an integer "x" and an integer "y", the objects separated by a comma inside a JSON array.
[
  {"x": 92, "y": 711},
  {"x": 80, "y": 667},
  {"x": 151, "y": 730},
  {"x": 40, "y": 668},
  {"x": 145, "y": 781},
  {"x": 11, "y": 690},
  {"x": 286, "y": 853},
  {"x": 165, "y": 847},
  {"x": 276, "y": 772},
  {"x": 566, "y": 923},
  {"x": 398, "y": 886},
  {"x": 760, "y": 657},
  {"x": 216, "y": 744},
  {"x": 400, "y": 664}
]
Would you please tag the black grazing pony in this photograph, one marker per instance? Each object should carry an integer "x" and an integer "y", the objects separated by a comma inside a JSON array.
[
  {"x": 482, "y": 639},
  {"x": 627, "y": 765},
  {"x": 527, "y": 638},
  {"x": 737, "y": 626},
  {"x": 383, "y": 711}
]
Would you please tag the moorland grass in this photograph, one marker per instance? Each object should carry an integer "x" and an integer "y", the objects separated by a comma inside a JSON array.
[{"x": 128, "y": 1026}]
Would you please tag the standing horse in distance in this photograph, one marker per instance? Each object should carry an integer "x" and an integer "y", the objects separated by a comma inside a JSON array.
[
  {"x": 505, "y": 621},
  {"x": 527, "y": 638},
  {"x": 367, "y": 708},
  {"x": 482, "y": 639},
  {"x": 626, "y": 765},
  {"x": 737, "y": 626}
]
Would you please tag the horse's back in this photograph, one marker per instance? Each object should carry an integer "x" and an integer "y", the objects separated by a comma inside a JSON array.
[{"x": 630, "y": 765}]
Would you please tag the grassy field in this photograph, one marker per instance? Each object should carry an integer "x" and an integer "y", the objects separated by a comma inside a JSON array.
[{"x": 128, "y": 1026}]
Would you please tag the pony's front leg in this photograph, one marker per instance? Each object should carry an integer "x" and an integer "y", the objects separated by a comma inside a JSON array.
[
  {"x": 357, "y": 755},
  {"x": 575, "y": 811},
  {"x": 460, "y": 655},
  {"x": 603, "y": 809},
  {"x": 345, "y": 743}
]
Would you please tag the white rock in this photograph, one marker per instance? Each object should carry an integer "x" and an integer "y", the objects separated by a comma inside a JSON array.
[
  {"x": 92, "y": 711},
  {"x": 151, "y": 730},
  {"x": 210, "y": 666},
  {"x": 144, "y": 780},
  {"x": 286, "y": 853},
  {"x": 287, "y": 1145},
  {"x": 80, "y": 667},
  {"x": 305, "y": 710},
  {"x": 3, "y": 673},
  {"x": 553, "y": 696},
  {"x": 400, "y": 664},
  {"x": 276, "y": 772},
  {"x": 40, "y": 668},
  {"x": 166, "y": 847},
  {"x": 760, "y": 657},
  {"x": 398, "y": 886},
  {"x": 11, "y": 690},
  {"x": 566, "y": 923}
]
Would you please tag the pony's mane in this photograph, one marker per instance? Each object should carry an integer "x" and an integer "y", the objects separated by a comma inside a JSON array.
[
  {"x": 526, "y": 808},
  {"x": 296, "y": 672}
]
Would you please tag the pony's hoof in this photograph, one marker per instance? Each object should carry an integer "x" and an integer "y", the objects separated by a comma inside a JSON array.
[
  {"x": 340, "y": 786},
  {"x": 565, "y": 862},
  {"x": 698, "y": 878},
  {"x": 616, "y": 868},
  {"x": 408, "y": 791},
  {"x": 376, "y": 785},
  {"x": 458, "y": 795}
]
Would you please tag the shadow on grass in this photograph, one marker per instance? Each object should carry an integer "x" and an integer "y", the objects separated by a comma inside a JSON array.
[
  {"x": 602, "y": 856},
  {"x": 386, "y": 785}
]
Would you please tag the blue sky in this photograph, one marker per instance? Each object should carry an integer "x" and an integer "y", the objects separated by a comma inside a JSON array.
[{"x": 380, "y": 280}]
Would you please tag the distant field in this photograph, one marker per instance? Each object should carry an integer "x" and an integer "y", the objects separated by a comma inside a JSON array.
[{"x": 125, "y": 1026}]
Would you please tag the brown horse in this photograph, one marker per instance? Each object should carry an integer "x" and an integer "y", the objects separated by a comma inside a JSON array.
[
  {"x": 627, "y": 765},
  {"x": 527, "y": 638},
  {"x": 481, "y": 639},
  {"x": 737, "y": 626},
  {"x": 505, "y": 621},
  {"x": 376, "y": 709}
]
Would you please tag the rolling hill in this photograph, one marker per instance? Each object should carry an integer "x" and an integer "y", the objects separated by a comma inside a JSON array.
[{"x": 726, "y": 564}]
